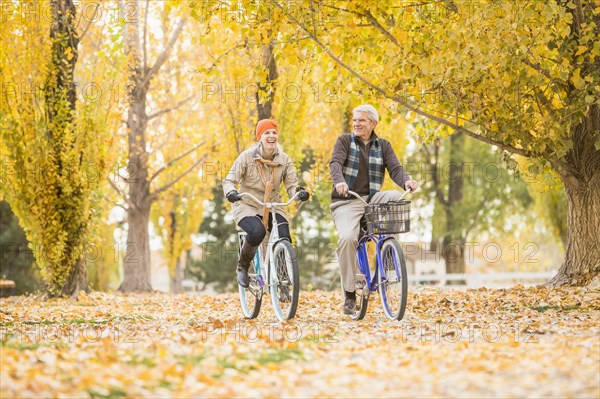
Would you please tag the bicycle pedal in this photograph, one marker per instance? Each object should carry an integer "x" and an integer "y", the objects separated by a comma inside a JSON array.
[
  {"x": 360, "y": 280},
  {"x": 259, "y": 280}
]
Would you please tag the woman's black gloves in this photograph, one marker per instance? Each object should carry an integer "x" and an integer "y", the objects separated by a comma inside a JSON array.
[
  {"x": 303, "y": 195},
  {"x": 233, "y": 196}
]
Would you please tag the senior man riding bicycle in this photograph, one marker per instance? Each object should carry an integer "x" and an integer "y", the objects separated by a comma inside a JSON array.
[{"x": 358, "y": 163}]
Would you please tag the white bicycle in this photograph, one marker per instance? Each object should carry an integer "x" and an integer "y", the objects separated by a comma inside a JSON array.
[{"x": 276, "y": 272}]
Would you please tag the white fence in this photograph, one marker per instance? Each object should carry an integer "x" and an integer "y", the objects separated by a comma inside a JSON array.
[{"x": 483, "y": 279}]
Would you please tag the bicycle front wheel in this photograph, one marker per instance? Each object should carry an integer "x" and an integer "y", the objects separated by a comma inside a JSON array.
[
  {"x": 251, "y": 297},
  {"x": 285, "y": 282},
  {"x": 393, "y": 281}
]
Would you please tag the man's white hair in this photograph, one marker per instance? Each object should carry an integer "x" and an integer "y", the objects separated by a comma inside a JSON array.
[{"x": 370, "y": 111}]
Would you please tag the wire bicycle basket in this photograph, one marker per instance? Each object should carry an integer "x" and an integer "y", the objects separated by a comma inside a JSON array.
[{"x": 388, "y": 218}]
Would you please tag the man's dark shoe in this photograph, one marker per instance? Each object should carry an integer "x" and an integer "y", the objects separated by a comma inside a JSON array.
[
  {"x": 242, "y": 277},
  {"x": 349, "y": 306}
]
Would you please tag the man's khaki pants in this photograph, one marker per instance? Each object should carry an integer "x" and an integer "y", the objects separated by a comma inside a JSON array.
[{"x": 346, "y": 215}]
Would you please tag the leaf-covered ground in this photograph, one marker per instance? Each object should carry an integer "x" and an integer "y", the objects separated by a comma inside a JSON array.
[{"x": 520, "y": 342}]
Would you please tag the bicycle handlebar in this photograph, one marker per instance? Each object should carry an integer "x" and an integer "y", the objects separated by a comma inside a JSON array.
[
  {"x": 366, "y": 203},
  {"x": 269, "y": 205},
  {"x": 357, "y": 196}
]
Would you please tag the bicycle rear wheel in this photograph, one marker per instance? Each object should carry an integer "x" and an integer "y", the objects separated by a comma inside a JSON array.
[
  {"x": 285, "y": 282},
  {"x": 251, "y": 297},
  {"x": 393, "y": 282}
]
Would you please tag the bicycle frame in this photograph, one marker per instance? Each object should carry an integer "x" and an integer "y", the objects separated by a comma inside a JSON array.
[
  {"x": 265, "y": 272},
  {"x": 363, "y": 257}
]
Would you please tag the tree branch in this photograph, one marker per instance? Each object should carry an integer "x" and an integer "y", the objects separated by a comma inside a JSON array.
[
  {"x": 436, "y": 186},
  {"x": 436, "y": 181},
  {"x": 89, "y": 23},
  {"x": 374, "y": 22},
  {"x": 402, "y": 102},
  {"x": 164, "y": 54},
  {"x": 177, "y": 125},
  {"x": 538, "y": 68},
  {"x": 539, "y": 95},
  {"x": 126, "y": 180},
  {"x": 121, "y": 193},
  {"x": 115, "y": 203},
  {"x": 214, "y": 64},
  {"x": 157, "y": 192},
  {"x": 162, "y": 169},
  {"x": 381, "y": 29},
  {"x": 173, "y": 108},
  {"x": 145, "y": 61},
  {"x": 474, "y": 217},
  {"x": 292, "y": 40}
]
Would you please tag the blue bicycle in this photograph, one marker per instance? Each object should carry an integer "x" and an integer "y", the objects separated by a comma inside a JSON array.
[{"x": 381, "y": 262}]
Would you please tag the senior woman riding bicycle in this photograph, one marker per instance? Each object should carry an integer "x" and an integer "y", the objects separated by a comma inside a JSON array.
[
  {"x": 358, "y": 163},
  {"x": 260, "y": 171}
]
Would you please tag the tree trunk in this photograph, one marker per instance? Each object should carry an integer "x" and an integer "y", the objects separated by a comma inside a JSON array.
[
  {"x": 136, "y": 265},
  {"x": 265, "y": 106},
  {"x": 60, "y": 88},
  {"x": 453, "y": 251},
  {"x": 347, "y": 116},
  {"x": 582, "y": 253},
  {"x": 580, "y": 172},
  {"x": 65, "y": 41},
  {"x": 77, "y": 280},
  {"x": 177, "y": 278},
  {"x": 175, "y": 274}
]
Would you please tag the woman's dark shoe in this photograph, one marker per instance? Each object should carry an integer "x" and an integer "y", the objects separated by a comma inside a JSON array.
[
  {"x": 242, "y": 277},
  {"x": 246, "y": 255}
]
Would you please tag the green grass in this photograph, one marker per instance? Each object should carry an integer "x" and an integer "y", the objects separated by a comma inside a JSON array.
[
  {"x": 113, "y": 393},
  {"x": 544, "y": 308},
  {"x": 28, "y": 346},
  {"x": 165, "y": 384},
  {"x": 279, "y": 356},
  {"x": 80, "y": 321},
  {"x": 192, "y": 360},
  {"x": 21, "y": 346},
  {"x": 143, "y": 360}
]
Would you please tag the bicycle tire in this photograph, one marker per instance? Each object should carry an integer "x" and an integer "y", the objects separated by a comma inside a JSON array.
[
  {"x": 362, "y": 289},
  {"x": 362, "y": 303},
  {"x": 285, "y": 281},
  {"x": 251, "y": 297},
  {"x": 393, "y": 281}
]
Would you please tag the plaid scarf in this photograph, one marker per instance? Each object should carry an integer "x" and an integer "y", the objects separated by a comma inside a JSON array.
[{"x": 376, "y": 169}]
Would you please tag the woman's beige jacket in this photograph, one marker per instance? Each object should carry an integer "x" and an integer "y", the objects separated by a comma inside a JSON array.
[{"x": 244, "y": 174}]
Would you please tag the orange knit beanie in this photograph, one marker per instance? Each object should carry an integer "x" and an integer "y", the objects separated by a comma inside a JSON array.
[{"x": 263, "y": 125}]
